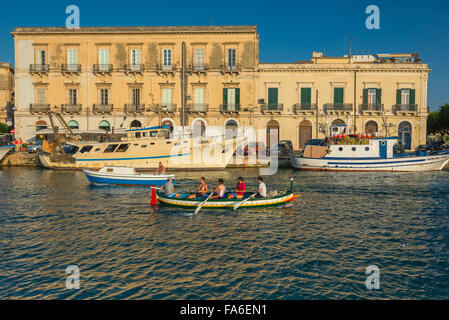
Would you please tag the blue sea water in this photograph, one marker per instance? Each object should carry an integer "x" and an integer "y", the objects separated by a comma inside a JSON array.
[{"x": 317, "y": 249}]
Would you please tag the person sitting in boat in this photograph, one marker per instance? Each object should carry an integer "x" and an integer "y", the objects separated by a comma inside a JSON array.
[
  {"x": 239, "y": 189},
  {"x": 220, "y": 190},
  {"x": 201, "y": 190},
  {"x": 262, "y": 190},
  {"x": 169, "y": 189},
  {"x": 160, "y": 169}
]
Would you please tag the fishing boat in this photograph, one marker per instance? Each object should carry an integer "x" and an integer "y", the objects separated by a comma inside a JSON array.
[
  {"x": 143, "y": 149},
  {"x": 183, "y": 201},
  {"x": 125, "y": 176},
  {"x": 366, "y": 153}
]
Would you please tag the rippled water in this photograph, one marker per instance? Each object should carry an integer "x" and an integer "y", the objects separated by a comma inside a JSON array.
[{"x": 318, "y": 249}]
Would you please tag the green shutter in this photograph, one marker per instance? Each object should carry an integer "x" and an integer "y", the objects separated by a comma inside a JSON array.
[
  {"x": 272, "y": 98},
  {"x": 237, "y": 95},
  {"x": 398, "y": 96},
  {"x": 225, "y": 97},
  {"x": 365, "y": 96},
  {"x": 306, "y": 95},
  {"x": 379, "y": 96},
  {"x": 338, "y": 95},
  {"x": 412, "y": 96}
]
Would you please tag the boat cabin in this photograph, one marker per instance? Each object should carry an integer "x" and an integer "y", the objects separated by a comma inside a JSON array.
[
  {"x": 118, "y": 170},
  {"x": 156, "y": 132}
]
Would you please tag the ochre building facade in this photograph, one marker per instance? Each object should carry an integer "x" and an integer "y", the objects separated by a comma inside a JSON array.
[{"x": 110, "y": 78}]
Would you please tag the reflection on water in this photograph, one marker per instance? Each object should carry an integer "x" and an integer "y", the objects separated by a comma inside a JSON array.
[{"x": 317, "y": 249}]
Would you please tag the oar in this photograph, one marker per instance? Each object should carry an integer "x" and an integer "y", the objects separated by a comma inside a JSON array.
[
  {"x": 237, "y": 205},
  {"x": 202, "y": 204}
]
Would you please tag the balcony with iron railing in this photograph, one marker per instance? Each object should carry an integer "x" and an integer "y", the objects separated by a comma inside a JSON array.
[
  {"x": 405, "y": 108},
  {"x": 134, "y": 108},
  {"x": 71, "y": 108},
  {"x": 272, "y": 108},
  {"x": 102, "y": 108},
  {"x": 198, "y": 68},
  {"x": 71, "y": 68},
  {"x": 39, "y": 68},
  {"x": 166, "y": 108},
  {"x": 230, "y": 108},
  {"x": 103, "y": 68},
  {"x": 134, "y": 68},
  {"x": 197, "y": 108},
  {"x": 230, "y": 68},
  {"x": 338, "y": 107},
  {"x": 166, "y": 68},
  {"x": 371, "y": 108},
  {"x": 39, "y": 108},
  {"x": 304, "y": 107}
]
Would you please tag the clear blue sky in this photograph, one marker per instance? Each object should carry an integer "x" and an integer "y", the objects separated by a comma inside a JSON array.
[{"x": 289, "y": 30}]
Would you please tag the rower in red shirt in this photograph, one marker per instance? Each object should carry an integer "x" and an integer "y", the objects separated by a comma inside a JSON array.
[{"x": 239, "y": 189}]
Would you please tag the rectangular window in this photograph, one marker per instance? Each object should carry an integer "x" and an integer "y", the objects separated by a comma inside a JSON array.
[
  {"x": 339, "y": 96},
  {"x": 135, "y": 59},
  {"x": 405, "y": 96},
  {"x": 306, "y": 96},
  {"x": 72, "y": 60},
  {"x": 135, "y": 96},
  {"x": 111, "y": 148},
  {"x": 167, "y": 57},
  {"x": 40, "y": 57},
  {"x": 166, "y": 99},
  {"x": 72, "y": 96},
  {"x": 372, "y": 97},
  {"x": 104, "y": 96},
  {"x": 272, "y": 98},
  {"x": 103, "y": 59},
  {"x": 123, "y": 147},
  {"x": 199, "y": 59},
  {"x": 199, "y": 99},
  {"x": 41, "y": 96},
  {"x": 232, "y": 59}
]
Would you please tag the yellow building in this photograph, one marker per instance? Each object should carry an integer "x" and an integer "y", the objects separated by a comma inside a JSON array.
[
  {"x": 210, "y": 76},
  {"x": 6, "y": 91}
]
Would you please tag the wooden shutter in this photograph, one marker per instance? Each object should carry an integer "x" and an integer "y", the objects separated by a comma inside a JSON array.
[
  {"x": 365, "y": 96},
  {"x": 338, "y": 95},
  {"x": 225, "y": 96},
  {"x": 273, "y": 96},
  {"x": 237, "y": 95},
  {"x": 379, "y": 96},
  {"x": 399, "y": 96},
  {"x": 306, "y": 95},
  {"x": 412, "y": 96}
]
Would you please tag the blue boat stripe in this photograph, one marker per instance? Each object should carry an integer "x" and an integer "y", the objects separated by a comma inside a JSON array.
[
  {"x": 375, "y": 163},
  {"x": 142, "y": 158}
]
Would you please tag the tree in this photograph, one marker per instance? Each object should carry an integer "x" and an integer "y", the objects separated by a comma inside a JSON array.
[
  {"x": 4, "y": 128},
  {"x": 438, "y": 121}
]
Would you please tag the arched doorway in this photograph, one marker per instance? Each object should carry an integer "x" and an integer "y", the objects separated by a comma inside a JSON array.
[
  {"x": 405, "y": 134},
  {"x": 371, "y": 127},
  {"x": 104, "y": 125},
  {"x": 199, "y": 127},
  {"x": 305, "y": 132},
  {"x": 272, "y": 128},
  {"x": 231, "y": 127},
  {"x": 135, "y": 124},
  {"x": 73, "y": 125},
  {"x": 41, "y": 125}
]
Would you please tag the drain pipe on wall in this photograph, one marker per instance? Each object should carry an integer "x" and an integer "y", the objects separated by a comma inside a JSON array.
[{"x": 355, "y": 101}]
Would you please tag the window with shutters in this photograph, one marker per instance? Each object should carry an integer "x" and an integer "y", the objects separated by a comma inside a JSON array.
[
  {"x": 306, "y": 96},
  {"x": 199, "y": 59},
  {"x": 405, "y": 96},
  {"x": 41, "y": 96},
  {"x": 167, "y": 59},
  {"x": 198, "y": 96},
  {"x": 231, "y": 99},
  {"x": 103, "y": 59},
  {"x": 339, "y": 96},
  {"x": 273, "y": 98},
  {"x": 72, "y": 99},
  {"x": 40, "y": 57},
  {"x": 104, "y": 96},
  {"x": 135, "y": 59},
  {"x": 72, "y": 59},
  {"x": 135, "y": 96},
  {"x": 166, "y": 99},
  {"x": 372, "y": 97},
  {"x": 232, "y": 59}
]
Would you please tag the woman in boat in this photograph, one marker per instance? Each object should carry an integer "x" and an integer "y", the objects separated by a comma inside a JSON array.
[
  {"x": 201, "y": 190},
  {"x": 160, "y": 169},
  {"x": 239, "y": 189},
  {"x": 262, "y": 190},
  {"x": 220, "y": 190}
]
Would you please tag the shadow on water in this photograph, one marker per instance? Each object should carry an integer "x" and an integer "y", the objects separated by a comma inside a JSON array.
[{"x": 318, "y": 248}]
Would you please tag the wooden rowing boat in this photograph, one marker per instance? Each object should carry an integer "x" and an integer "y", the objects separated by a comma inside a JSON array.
[{"x": 184, "y": 202}]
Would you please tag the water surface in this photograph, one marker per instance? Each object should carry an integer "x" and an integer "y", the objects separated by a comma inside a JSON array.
[{"x": 317, "y": 249}]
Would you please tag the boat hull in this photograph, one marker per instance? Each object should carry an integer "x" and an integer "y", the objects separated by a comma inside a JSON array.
[
  {"x": 396, "y": 164},
  {"x": 227, "y": 203},
  {"x": 126, "y": 180},
  {"x": 4, "y": 150}
]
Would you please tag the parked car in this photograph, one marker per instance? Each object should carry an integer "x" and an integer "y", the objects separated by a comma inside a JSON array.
[{"x": 35, "y": 147}]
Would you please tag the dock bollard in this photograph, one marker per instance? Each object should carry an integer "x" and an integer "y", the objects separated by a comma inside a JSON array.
[{"x": 153, "y": 196}]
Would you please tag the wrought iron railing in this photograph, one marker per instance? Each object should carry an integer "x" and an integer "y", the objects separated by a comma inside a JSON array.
[
  {"x": 35, "y": 68},
  {"x": 71, "y": 108},
  {"x": 71, "y": 68},
  {"x": 39, "y": 107},
  {"x": 230, "y": 107},
  {"x": 102, "y": 108},
  {"x": 338, "y": 107},
  {"x": 304, "y": 107},
  {"x": 134, "y": 68},
  {"x": 166, "y": 107},
  {"x": 272, "y": 107},
  {"x": 405, "y": 108},
  {"x": 197, "y": 107},
  {"x": 101, "y": 68},
  {"x": 371, "y": 107}
]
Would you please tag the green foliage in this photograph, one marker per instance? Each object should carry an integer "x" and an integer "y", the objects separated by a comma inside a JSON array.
[
  {"x": 4, "y": 128},
  {"x": 438, "y": 122}
]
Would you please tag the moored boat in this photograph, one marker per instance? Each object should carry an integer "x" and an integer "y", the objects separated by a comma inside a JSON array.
[
  {"x": 346, "y": 153},
  {"x": 5, "y": 149},
  {"x": 125, "y": 176}
]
